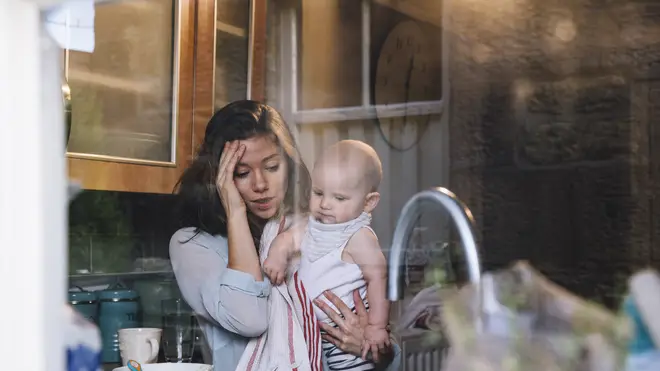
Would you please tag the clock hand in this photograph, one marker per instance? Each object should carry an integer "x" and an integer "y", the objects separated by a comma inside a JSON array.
[
  {"x": 409, "y": 75},
  {"x": 407, "y": 86}
]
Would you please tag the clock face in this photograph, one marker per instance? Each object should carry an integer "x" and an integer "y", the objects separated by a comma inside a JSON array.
[{"x": 405, "y": 74}]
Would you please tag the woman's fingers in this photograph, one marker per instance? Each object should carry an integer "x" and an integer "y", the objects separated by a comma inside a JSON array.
[
  {"x": 220, "y": 178},
  {"x": 339, "y": 304},
  {"x": 334, "y": 316},
  {"x": 227, "y": 152},
  {"x": 333, "y": 333},
  {"x": 233, "y": 160},
  {"x": 331, "y": 340},
  {"x": 230, "y": 157}
]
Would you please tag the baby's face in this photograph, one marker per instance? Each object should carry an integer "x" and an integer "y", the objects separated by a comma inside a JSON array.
[{"x": 338, "y": 193}]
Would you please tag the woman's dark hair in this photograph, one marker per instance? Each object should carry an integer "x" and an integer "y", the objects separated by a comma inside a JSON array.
[{"x": 200, "y": 205}]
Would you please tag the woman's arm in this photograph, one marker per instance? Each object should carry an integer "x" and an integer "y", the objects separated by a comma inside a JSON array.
[
  {"x": 231, "y": 298},
  {"x": 242, "y": 252}
]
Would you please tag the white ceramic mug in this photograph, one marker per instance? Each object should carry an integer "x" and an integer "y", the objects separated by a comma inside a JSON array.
[{"x": 139, "y": 344}]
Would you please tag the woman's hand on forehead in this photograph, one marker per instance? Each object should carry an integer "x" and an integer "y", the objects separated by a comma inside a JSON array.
[{"x": 258, "y": 150}]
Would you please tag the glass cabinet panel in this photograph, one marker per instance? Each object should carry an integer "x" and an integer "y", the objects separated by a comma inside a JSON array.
[
  {"x": 232, "y": 43},
  {"x": 122, "y": 93}
]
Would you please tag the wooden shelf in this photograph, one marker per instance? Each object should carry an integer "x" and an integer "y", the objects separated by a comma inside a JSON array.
[
  {"x": 103, "y": 278},
  {"x": 120, "y": 275}
]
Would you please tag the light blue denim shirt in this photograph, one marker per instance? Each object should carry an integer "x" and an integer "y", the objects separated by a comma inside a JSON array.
[{"x": 231, "y": 306}]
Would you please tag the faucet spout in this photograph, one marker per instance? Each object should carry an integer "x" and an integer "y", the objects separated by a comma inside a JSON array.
[{"x": 412, "y": 210}]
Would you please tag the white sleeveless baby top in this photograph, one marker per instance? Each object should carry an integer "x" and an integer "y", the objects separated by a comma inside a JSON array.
[{"x": 321, "y": 267}]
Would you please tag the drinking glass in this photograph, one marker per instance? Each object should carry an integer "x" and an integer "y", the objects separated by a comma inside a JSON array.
[{"x": 178, "y": 339}]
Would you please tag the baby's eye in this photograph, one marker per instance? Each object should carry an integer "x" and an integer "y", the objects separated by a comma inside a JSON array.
[
  {"x": 340, "y": 198},
  {"x": 317, "y": 193}
]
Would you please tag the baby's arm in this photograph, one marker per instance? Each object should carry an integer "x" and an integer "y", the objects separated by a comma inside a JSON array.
[
  {"x": 279, "y": 255},
  {"x": 364, "y": 249},
  {"x": 282, "y": 249}
]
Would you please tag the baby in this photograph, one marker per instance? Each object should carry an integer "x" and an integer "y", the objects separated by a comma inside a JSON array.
[{"x": 339, "y": 251}]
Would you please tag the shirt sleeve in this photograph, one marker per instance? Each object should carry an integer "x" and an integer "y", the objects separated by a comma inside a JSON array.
[{"x": 232, "y": 299}]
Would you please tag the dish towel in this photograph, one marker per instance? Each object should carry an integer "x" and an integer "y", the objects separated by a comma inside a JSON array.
[{"x": 269, "y": 352}]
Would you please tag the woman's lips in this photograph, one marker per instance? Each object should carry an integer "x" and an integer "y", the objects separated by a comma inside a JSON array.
[{"x": 263, "y": 203}]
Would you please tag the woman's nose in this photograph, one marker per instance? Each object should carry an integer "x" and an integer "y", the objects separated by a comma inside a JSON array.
[{"x": 260, "y": 183}]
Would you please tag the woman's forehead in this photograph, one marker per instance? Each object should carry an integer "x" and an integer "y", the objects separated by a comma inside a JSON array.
[{"x": 258, "y": 149}]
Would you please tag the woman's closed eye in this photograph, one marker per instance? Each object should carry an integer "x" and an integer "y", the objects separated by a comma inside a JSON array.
[{"x": 242, "y": 174}]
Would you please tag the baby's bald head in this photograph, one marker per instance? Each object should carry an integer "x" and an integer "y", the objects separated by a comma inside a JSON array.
[
  {"x": 345, "y": 182},
  {"x": 359, "y": 160}
]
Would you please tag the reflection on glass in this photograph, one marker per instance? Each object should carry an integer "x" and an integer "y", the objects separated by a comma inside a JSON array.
[
  {"x": 231, "y": 55},
  {"x": 178, "y": 331},
  {"x": 348, "y": 54},
  {"x": 122, "y": 92}
]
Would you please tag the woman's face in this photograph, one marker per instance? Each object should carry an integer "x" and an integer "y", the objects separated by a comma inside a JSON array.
[{"x": 261, "y": 176}]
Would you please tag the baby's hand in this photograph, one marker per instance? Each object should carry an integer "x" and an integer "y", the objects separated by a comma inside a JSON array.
[
  {"x": 276, "y": 263},
  {"x": 376, "y": 338}
]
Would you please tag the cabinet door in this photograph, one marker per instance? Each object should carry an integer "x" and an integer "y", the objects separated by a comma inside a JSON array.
[
  {"x": 230, "y": 56},
  {"x": 132, "y": 98}
]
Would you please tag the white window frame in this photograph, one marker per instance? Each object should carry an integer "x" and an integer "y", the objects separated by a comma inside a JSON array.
[
  {"x": 33, "y": 197},
  {"x": 289, "y": 89}
]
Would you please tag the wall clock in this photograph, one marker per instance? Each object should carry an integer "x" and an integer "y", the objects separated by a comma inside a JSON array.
[{"x": 405, "y": 73}]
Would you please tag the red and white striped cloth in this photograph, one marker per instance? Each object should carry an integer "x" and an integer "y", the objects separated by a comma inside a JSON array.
[
  {"x": 291, "y": 317},
  {"x": 305, "y": 313}
]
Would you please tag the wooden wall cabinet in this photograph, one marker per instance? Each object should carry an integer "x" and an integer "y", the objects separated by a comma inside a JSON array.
[{"x": 141, "y": 101}]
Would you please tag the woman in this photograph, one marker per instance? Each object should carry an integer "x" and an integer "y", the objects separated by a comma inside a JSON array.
[{"x": 247, "y": 172}]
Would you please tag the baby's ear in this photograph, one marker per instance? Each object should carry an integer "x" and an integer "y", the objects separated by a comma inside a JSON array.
[{"x": 371, "y": 201}]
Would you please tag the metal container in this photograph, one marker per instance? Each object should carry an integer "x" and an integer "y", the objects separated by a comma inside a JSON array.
[
  {"x": 118, "y": 309},
  {"x": 85, "y": 303}
]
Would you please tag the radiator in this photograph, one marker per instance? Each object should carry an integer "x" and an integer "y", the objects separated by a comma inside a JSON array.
[{"x": 419, "y": 355}]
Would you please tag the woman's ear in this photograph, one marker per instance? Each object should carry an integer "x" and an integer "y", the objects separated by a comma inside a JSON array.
[{"x": 371, "y": 201}]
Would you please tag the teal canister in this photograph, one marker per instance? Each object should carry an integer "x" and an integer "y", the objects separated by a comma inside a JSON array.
[
  {"x": 118, "y": 309},
  {"x": 85, "y": 303}
]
